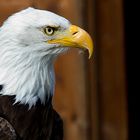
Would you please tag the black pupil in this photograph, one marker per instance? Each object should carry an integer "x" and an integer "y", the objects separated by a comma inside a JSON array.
[
  {"x": 49, "y": 29},
  {"x": 1, "y": 87}
]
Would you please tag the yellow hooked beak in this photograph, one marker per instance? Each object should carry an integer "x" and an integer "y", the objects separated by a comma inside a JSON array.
[{"x": 74, "y": 37}]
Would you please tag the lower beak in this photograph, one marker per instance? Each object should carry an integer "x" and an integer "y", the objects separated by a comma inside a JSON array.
[{"x": 75, "y": 37}]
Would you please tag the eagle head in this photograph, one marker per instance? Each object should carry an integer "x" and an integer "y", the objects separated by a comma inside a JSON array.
[{"x": 30, "y": 40}]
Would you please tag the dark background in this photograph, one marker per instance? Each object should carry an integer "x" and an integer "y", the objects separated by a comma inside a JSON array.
[{"x": 132, "y": 68}]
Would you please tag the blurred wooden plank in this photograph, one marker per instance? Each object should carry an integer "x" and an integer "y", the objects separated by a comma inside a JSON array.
[
  {"x": 92, "y": 71},
  {"x": 112, "y": 91},
  {"x": 8, "y": 7}
]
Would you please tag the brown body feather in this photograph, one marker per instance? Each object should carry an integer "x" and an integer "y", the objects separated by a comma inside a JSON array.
[{"x": 39, "y": 123}]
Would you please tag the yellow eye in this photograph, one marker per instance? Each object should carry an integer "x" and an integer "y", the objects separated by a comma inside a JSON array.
[{"x": 49, "y": 30}]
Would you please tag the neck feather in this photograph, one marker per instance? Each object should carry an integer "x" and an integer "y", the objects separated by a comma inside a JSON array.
[{"x": 27, "y": 76}]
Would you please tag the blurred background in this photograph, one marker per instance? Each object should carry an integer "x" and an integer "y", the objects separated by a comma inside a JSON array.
[{"x": 90, "y": 95}]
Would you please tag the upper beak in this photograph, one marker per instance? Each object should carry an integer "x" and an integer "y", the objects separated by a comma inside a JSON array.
[{"x": 75, "y": 37}]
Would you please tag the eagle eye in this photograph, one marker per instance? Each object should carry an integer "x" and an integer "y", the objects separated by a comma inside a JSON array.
[{"x": 49, "y": 30}]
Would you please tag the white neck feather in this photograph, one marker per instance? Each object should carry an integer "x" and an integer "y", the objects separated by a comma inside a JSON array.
[
  {"x": 26, "y": 75},
  {"x": 26, "y": 59}
]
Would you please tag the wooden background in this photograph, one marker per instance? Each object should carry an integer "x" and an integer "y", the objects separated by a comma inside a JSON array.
[{"x": 91, "y": 94}]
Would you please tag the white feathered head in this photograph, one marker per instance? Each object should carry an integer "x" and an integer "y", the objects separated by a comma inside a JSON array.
[{"x": 29, "y": 42}]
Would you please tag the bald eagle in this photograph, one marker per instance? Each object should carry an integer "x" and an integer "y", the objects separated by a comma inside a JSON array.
[{"x": 30, "y": 41}]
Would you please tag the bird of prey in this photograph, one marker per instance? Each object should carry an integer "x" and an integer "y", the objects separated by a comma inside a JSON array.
[{"x": 30, "y": 41}]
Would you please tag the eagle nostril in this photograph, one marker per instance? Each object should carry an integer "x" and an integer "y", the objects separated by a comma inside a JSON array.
[{"x": 75, "y": 32}]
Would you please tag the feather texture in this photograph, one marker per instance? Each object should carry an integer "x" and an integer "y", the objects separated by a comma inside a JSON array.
[
  {"x": 39, "y": 123},
  {"x": 26, "y": 60}
]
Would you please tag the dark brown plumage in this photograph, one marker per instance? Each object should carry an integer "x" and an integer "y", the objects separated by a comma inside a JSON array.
[{"x": 39, "y": 123}]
